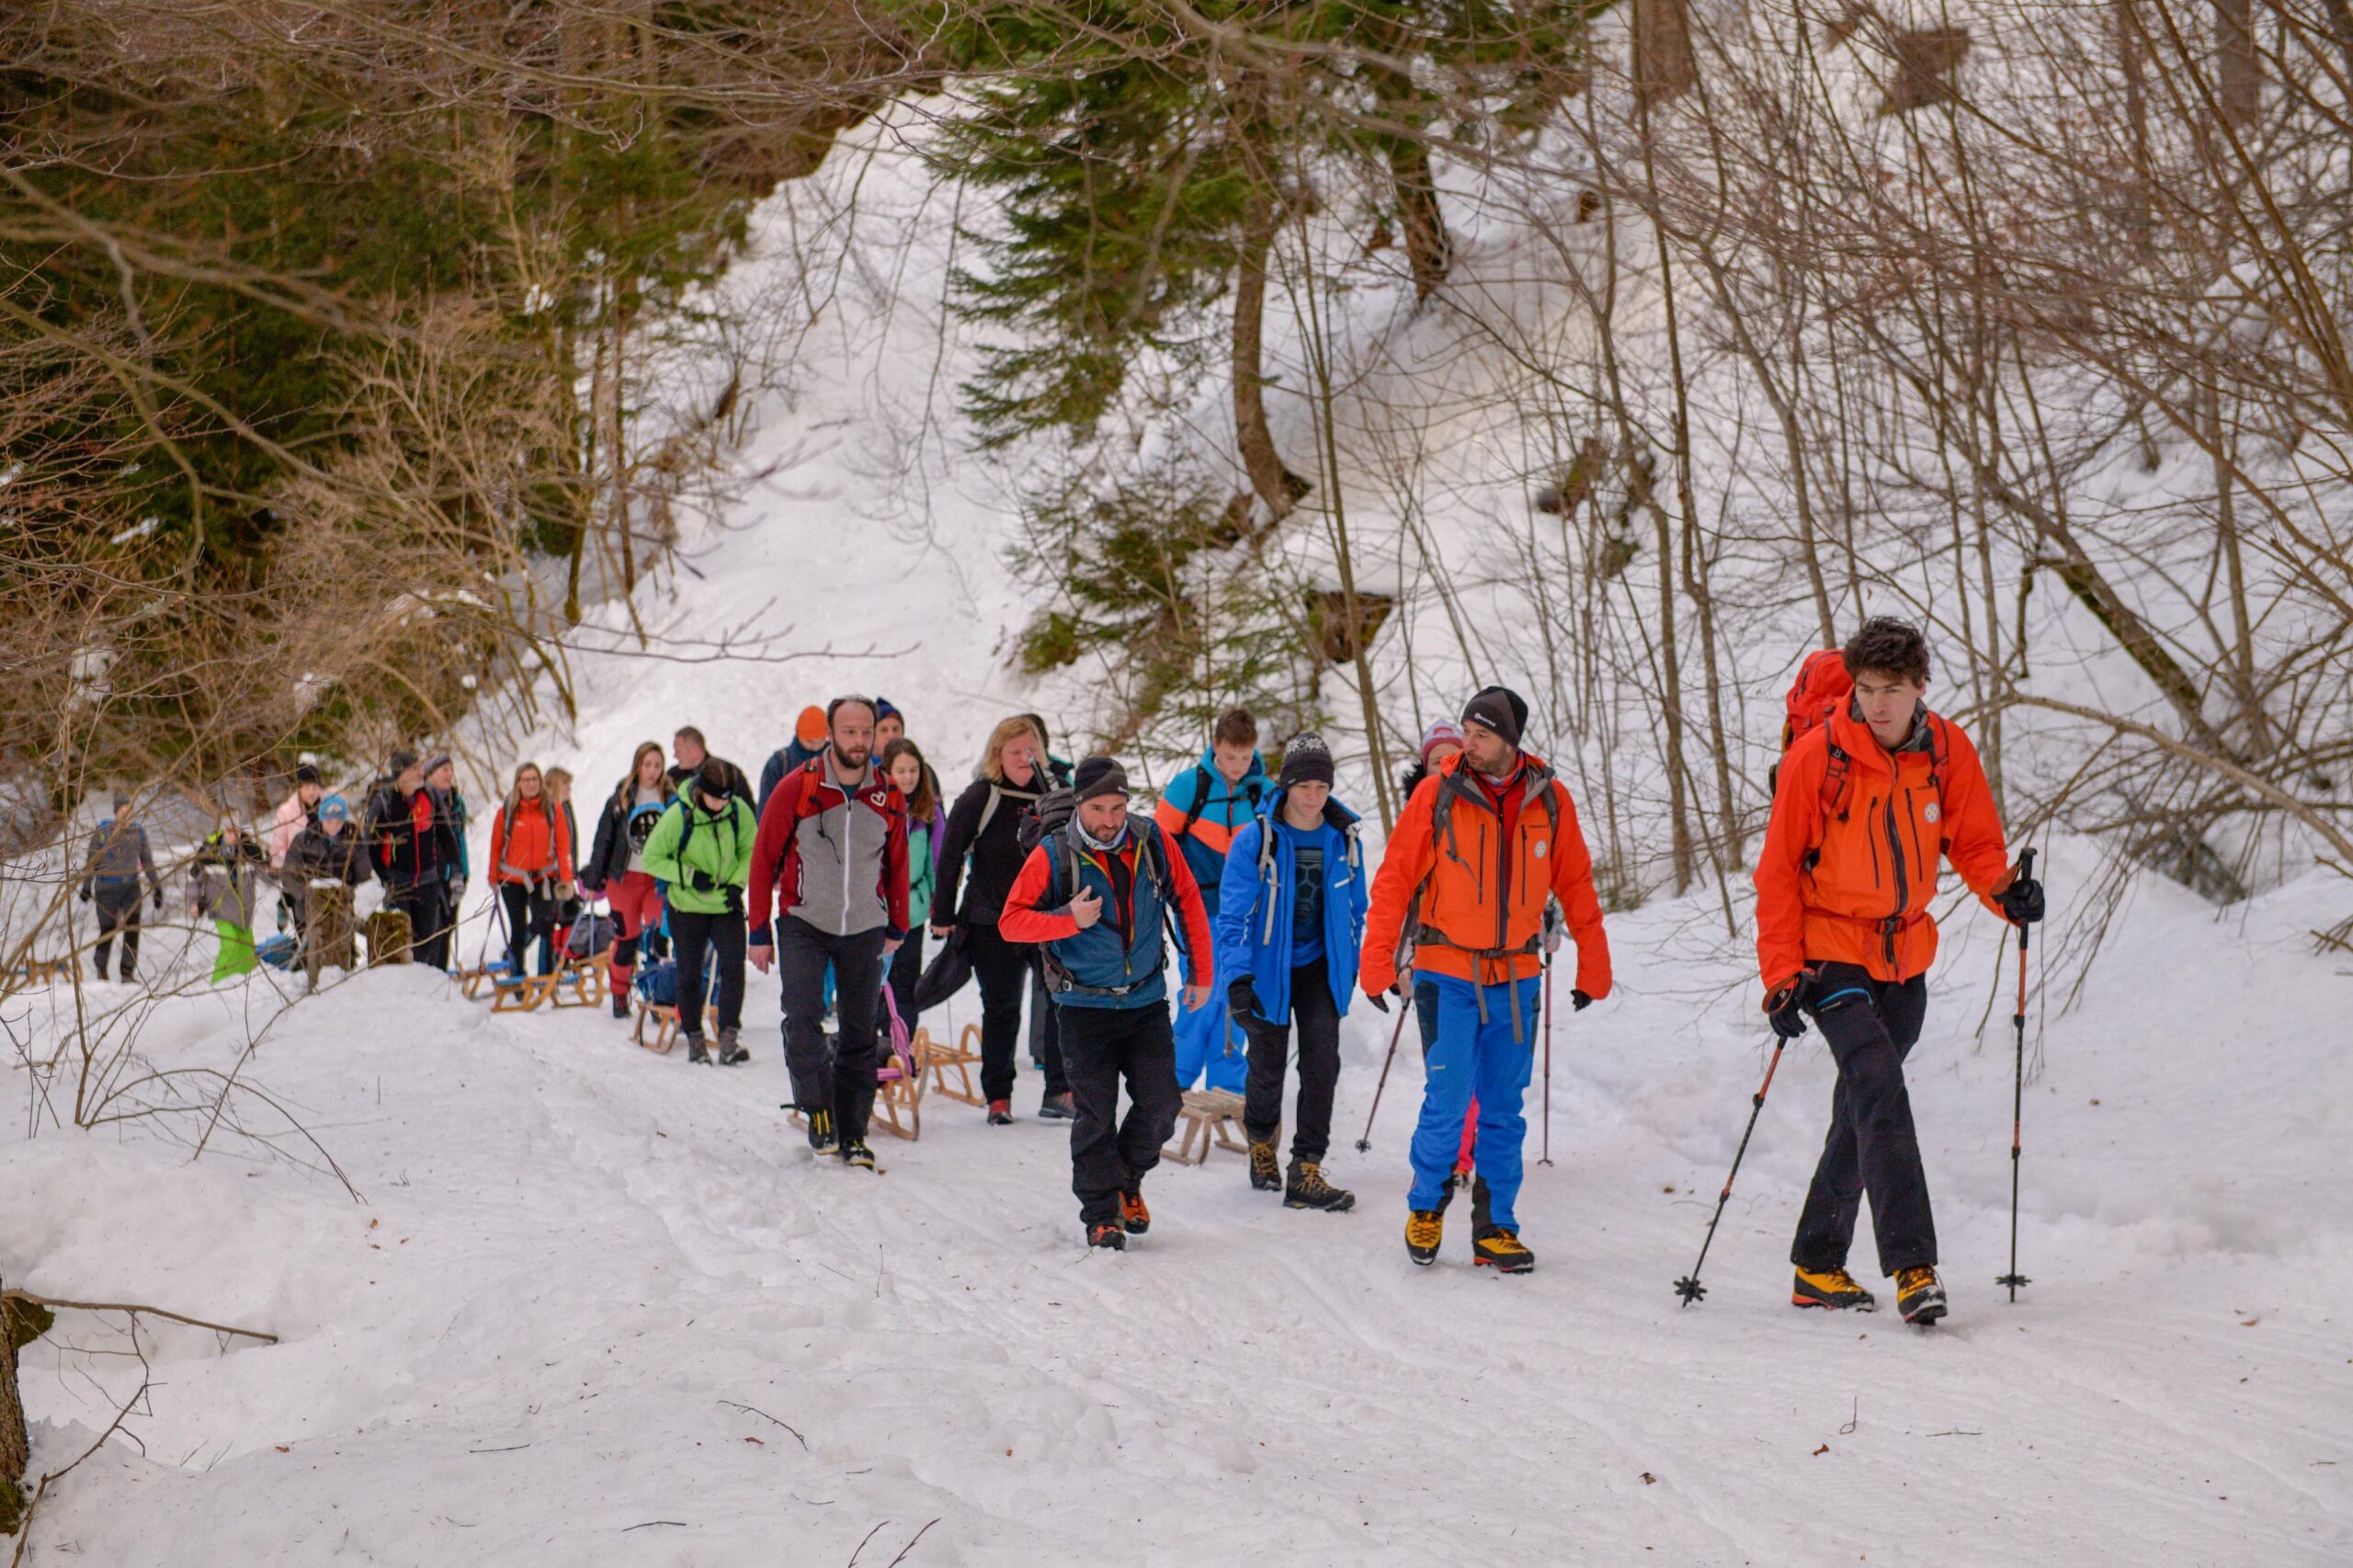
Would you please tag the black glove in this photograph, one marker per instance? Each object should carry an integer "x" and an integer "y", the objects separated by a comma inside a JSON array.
[
  {"x": 159, "y": 901},
  {"x": 86, "y": 894},
  {"x": 1242, "y": 998},
  {"x": 2022, "y": 901},
  {"x": 701, "y": 881},
  {"x": 1782, "y": 1008},
  {"x": 1579, "y": 1001},
  {"x": 1379, "y": 1002}
]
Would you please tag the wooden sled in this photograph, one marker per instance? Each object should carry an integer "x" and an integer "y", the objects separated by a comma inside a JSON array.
[
  {"x": 524, "y": 992},
  {"x": 934, "y": 1059},
  {"x": 1208, "y": 1116},
  {"x": 480, "y": 982},
  {"x": 40, "y": 971},
  {"x": 665, "y": 1021},
  {"x": 581, "y": 983},
  {"x": 898, "y": 1096}
]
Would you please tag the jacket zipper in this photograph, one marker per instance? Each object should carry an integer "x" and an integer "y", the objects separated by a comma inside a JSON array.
[
  {"x": 1902, "y": 889},
  {"x": 1503, "y": 877},
  {"x": 1912, "y": 815},
  {"x": 1877, "y": 881}
]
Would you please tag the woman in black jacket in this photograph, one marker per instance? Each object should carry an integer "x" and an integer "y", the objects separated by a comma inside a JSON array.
[{"x": 982, "y": 828}]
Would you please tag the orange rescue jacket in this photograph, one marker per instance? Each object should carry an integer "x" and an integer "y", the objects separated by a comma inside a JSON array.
[
  {"x": 535, "y": 847},
  {"x": 1850, "y": 863},
  {"x": 1474, "y": 883}
]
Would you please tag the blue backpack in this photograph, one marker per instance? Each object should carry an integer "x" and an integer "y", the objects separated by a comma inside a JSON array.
[{"x": 657, "y": 984}]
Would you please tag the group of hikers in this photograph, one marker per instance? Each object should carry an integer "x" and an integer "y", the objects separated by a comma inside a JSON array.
[{"x": 1039, "y": 883}]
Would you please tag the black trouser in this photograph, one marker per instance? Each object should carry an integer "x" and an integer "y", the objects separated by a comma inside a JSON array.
[
  {"x": 1003, "y": 970},
  {"x": 1317, "y": 1018},
  {"x": 844, "y": 1081},
  {"x": 427, "y": 904},
  {"x": 906, "y": 968},
  {"x": 1108, "y": 1156},
  {"x": 720, "y": 935},
  {"x": 1871, "y": 1027},
  {"x": 117, "y": 905},
  {"x": 531, "y": 913}
]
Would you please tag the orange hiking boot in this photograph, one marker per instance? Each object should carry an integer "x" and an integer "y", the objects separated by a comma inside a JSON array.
[
  {"x": 1500, "y": 1249},
  {"x": 1108, "y": 1235},
  {"x": 1834, "y": 1288},
  {"x": 1425, "y": 1228},
  {"x": 1133, "y": 1216}
]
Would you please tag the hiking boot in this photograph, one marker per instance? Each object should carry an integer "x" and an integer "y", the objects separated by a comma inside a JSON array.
[
  {"x": 1057, "y": 1108},
  {"x": 1919, "y": 1295},
  {"x": 1134, "y": 1215},
  {"x": 695, "y": 1052},
  {"x": 1109, "y": 1235},
  {"x": 1265, "y": 1176},
  {"x": 820, "y": 1131},
  {"x": 1832, "y": 1287},
  {"x": 1498, "y": 1247},
  {"x": 621, "y": 1004},
  {"x": 854, "y": 1152},
  {"x": 731, "y": 1050},
  {"x": 1308, "y": 1189},
  {"x": 1000, "y": 1113},
  {"x": 1424, "y": 1229}
]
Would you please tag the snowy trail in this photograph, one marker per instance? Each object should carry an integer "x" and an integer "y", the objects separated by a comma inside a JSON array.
[
  {"x": 591, "y": 1288},
  {"x": 590, "y": 1256}
]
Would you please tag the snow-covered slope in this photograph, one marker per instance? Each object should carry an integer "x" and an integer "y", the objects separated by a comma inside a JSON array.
[{"x": 596, "y": 1307}]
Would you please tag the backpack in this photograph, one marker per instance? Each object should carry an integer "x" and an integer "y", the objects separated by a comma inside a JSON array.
[
  {"x": 1413, "y": 933},
  {"x": 590, "y": 935},
  {"x": 1050, "y": 817},
  {"x": 1203, "y": 783},
  {"x": 657, "y": 984}
]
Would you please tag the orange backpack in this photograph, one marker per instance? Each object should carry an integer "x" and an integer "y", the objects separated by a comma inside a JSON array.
[{"x": 1822, "y": 687}]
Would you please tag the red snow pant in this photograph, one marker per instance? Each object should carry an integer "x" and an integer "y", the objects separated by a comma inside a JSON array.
[{"x": 636, "y": 899}]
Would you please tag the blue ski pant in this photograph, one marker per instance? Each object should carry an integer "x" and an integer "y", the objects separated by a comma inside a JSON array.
[{"x": 1475, "y": 1059}]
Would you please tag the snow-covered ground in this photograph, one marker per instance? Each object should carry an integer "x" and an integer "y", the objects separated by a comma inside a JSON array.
[{"x": 593, "y": 1306}]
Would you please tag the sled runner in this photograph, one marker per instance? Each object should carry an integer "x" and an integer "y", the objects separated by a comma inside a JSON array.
[{"x": 937, "y": 1059}]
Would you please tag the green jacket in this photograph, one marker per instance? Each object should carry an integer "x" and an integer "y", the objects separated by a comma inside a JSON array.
[
  {"x": 709, "y": 876},
  {"x": 921, "y": 875}
]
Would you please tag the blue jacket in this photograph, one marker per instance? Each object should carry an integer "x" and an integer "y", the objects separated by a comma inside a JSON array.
[
  {"x": 1253, "y": 925},
  {"x": 1226, "y": 809},
  {"x": 1104, "y": 970}
]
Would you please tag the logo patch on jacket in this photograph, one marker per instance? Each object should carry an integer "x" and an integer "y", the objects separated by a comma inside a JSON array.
[
  {"x": 1931, "y": 813},
  {"x": 1540, "y": 846}
]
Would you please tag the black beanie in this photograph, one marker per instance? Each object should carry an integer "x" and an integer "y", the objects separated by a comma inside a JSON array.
[
  {"x": 1099, "y": 776},
  {"x": 306, "y": 774},
  {"x": 711, "y": 778},
  {"x": 1499, "y": 709},
  {"x": 1307, "y": 760}
]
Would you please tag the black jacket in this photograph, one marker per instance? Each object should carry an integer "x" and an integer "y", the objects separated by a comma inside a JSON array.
[
  {"x": 993, "y": 846},
  {"x": 318, "y": 856},
  {"x": 607, "y": 859},
  {"x": 399, "y": 851}
]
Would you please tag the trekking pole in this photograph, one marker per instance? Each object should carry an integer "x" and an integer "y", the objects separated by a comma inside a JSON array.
[
  {"x": 1546, "y": 1158},
  {"x": 2018, "y": 1096},
  {"x": 1394, "y": 1036},
  {"x": 1688, "y": 1286}
]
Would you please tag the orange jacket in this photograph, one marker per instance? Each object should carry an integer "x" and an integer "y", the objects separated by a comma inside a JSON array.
[
  {"x": 1475, "y": 882},
  {"x": 534, "y": 847},
  {"x": 1853, "y": 884}
]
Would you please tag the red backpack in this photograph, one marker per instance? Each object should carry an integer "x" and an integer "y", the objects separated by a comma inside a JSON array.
[{"x": 1822, "y": 687}]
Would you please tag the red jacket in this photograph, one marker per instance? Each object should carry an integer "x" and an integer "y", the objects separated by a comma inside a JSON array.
[
  {"x": 1022, "y": 921},
  {"x": 1476, "y": 883},
  {"x": 835, "y": 857},
  {"x": 532, "y": 845},
  {"x": 1853, "y": 884}
]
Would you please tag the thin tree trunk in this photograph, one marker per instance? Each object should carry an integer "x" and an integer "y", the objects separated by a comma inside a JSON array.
[
  {"x": 1277, "y": 488},
  {"x": 16, "y": 1448}
]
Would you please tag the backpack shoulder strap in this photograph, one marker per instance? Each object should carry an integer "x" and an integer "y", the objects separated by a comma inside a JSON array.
[
  {"x": 995, "y": 795},
  {"x": 1200, "y": 799}
]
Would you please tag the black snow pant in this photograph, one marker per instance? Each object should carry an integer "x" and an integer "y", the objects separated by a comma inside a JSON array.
[
  {"x": 531, "y": 917},
  {"x": 1003, "y": 970},
  {"x": 721, "y": 938},
  {"x": 842, "y": 1082},
  {"x": 1871, "y": 1027},
  {"x": 1317, "y": 1019},
  {"x": 427, "y": 904},
  {"x": 117, "y": 906},
  {"x": 1108, "y": 1155}
]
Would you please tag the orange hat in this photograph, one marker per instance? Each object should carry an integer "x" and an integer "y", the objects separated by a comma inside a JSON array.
[{"x": 810, "y": 728}]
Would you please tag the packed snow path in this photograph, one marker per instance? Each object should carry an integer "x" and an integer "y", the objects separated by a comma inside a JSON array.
[{"x": 600, "y": 1307}]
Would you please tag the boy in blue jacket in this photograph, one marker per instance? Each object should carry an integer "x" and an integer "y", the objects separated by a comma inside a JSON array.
[{"x": 1289, "y": 917}]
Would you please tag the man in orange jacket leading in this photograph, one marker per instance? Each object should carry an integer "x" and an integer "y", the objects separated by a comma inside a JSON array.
[
  {"x": 1868, "y": 801},
  {"x": 1485, "y": 842}
]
